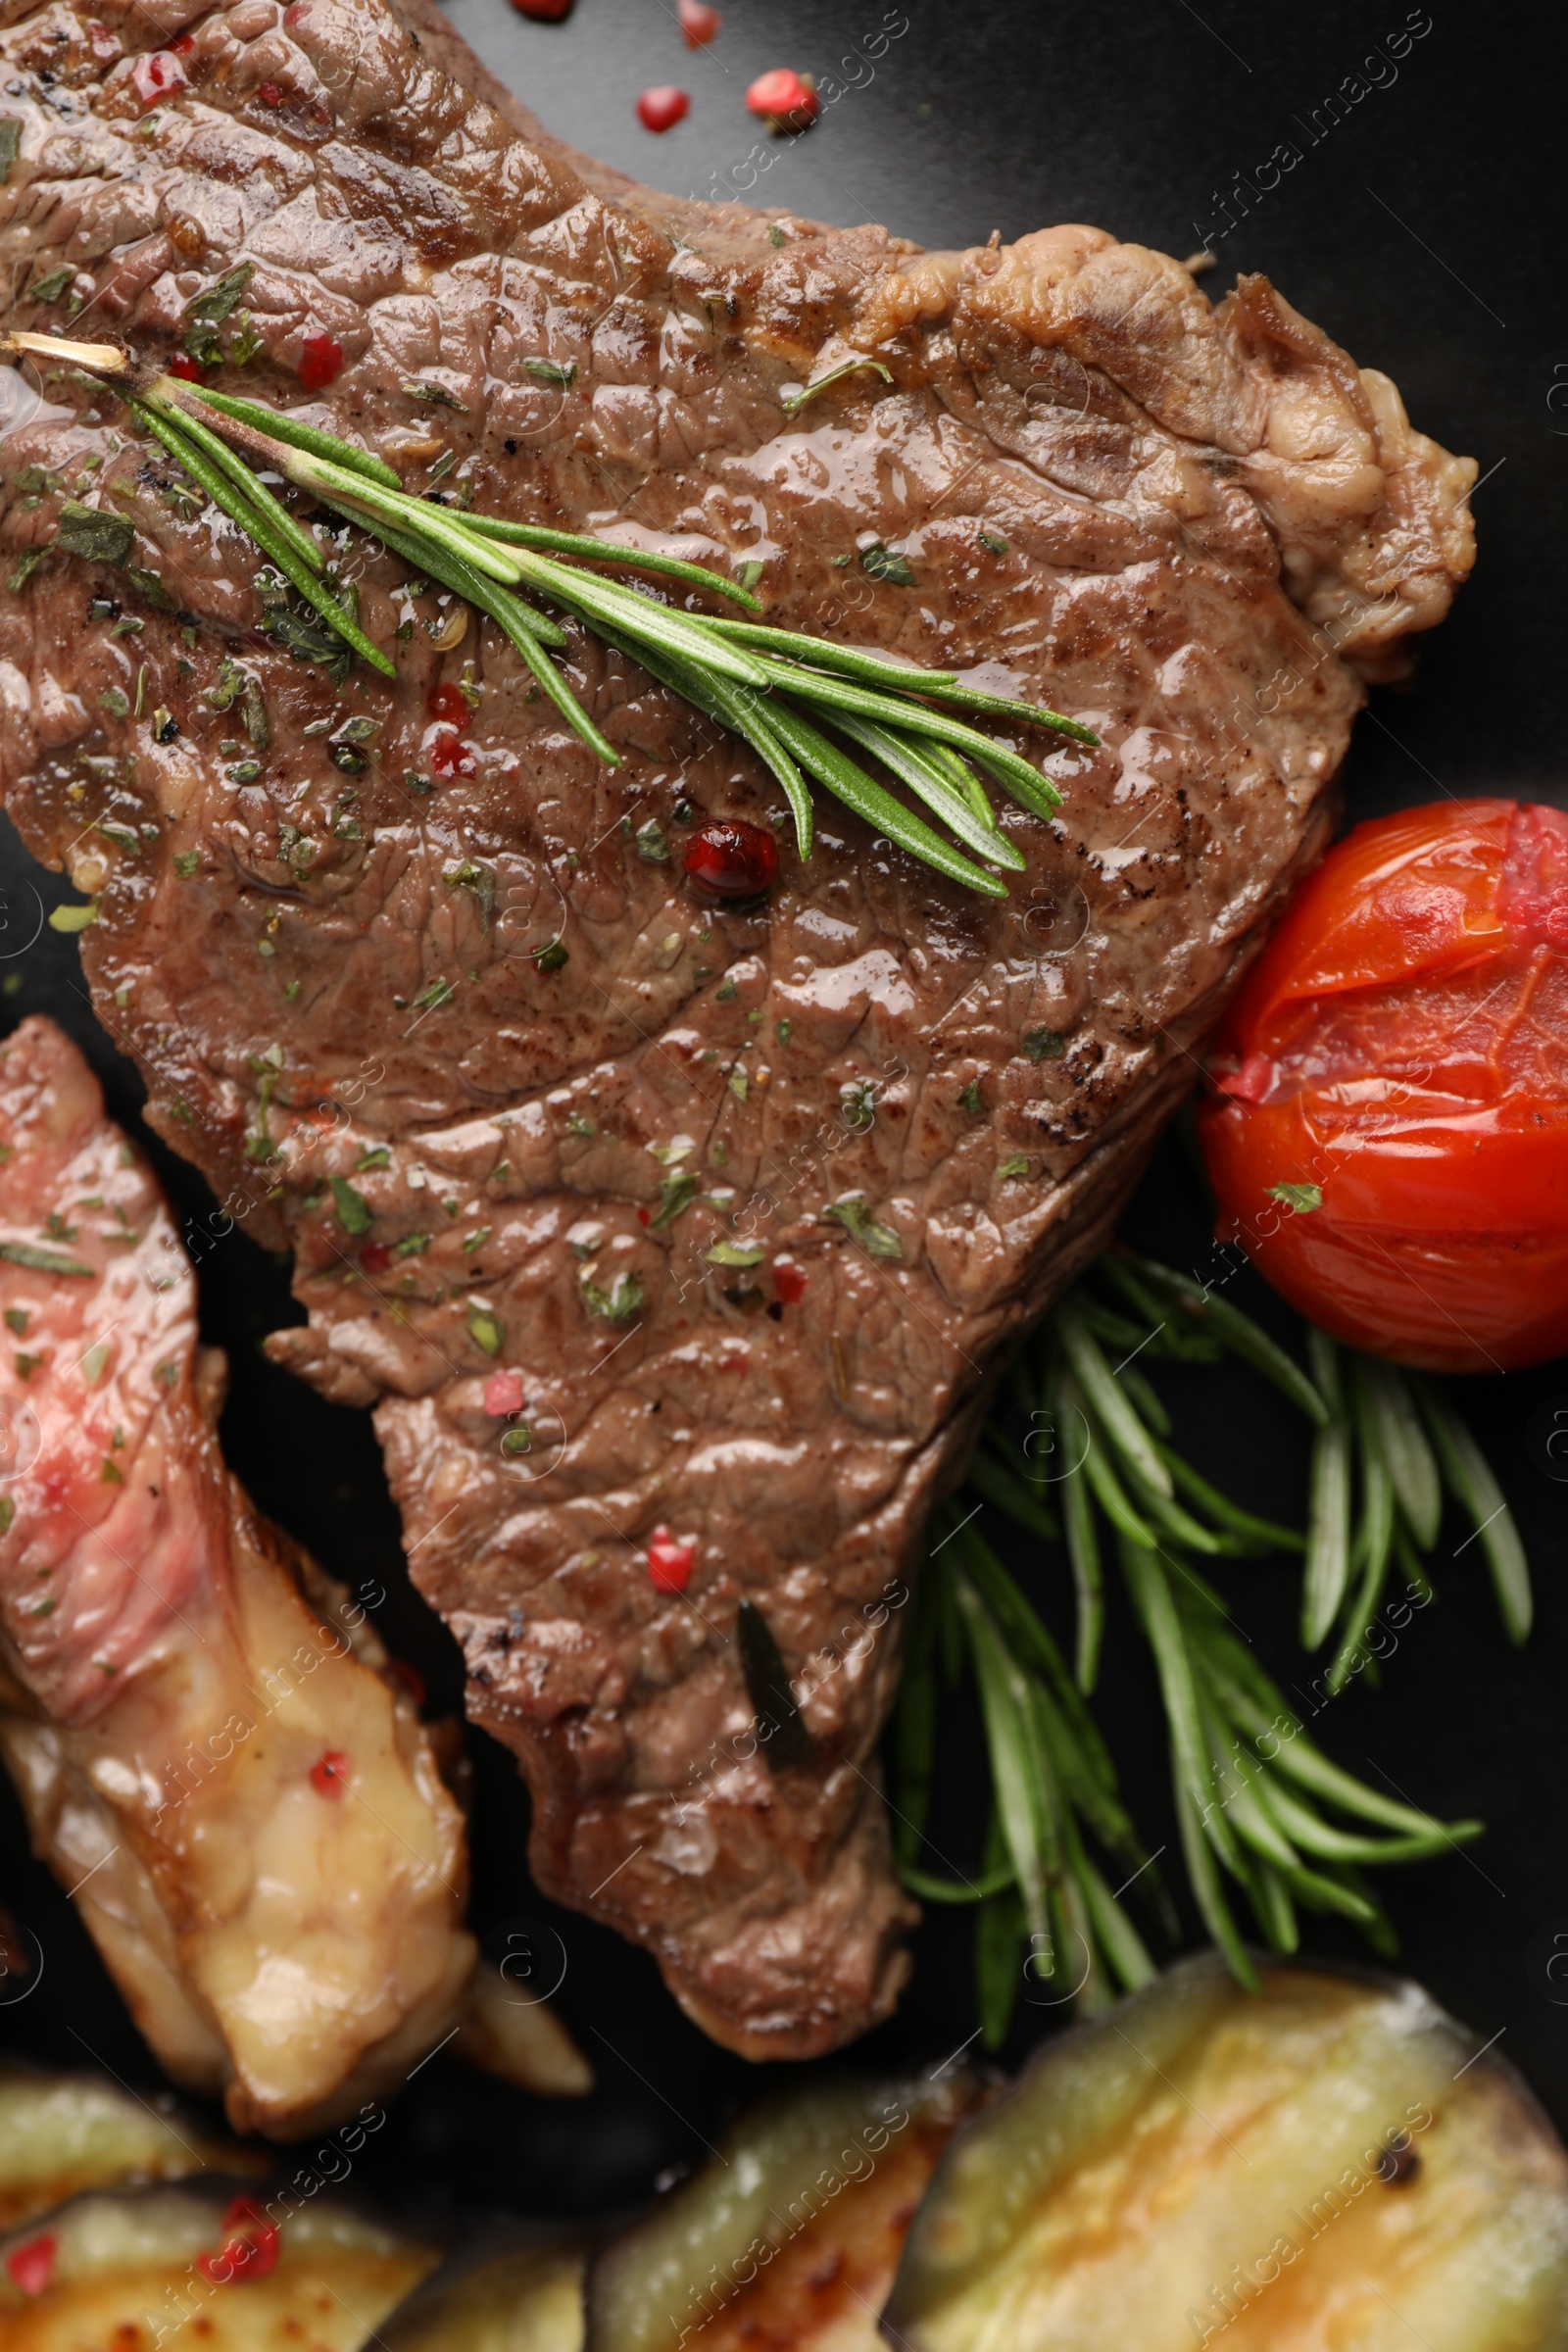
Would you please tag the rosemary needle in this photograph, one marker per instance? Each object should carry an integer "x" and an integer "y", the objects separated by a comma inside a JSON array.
[{"x": 744, "y": 673}]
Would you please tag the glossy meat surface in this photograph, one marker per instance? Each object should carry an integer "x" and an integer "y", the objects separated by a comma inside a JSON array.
[{"x": 915, "y": 1114}]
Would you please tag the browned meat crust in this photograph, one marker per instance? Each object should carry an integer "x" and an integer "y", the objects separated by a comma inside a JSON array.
[{"x": 1196, "y": 528}]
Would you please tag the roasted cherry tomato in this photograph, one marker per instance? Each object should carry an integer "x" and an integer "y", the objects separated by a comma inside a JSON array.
[{"x": 1388, "y": 1130}]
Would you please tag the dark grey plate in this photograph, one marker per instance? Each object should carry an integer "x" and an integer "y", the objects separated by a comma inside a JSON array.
[{"x": 1422, "y": 225}]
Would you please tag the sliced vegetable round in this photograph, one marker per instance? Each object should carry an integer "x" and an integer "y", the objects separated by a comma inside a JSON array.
[
  {"x": 1330, "y": 2162},
  {"x": 1387, "y": 1134}
]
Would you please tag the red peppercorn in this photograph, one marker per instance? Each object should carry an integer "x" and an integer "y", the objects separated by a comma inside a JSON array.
[
  {"x": 320, "y": 361},
  {"x": 789, "y": 1280},
  {"x": 731, "y": 857},
  {"x": 184, "y": 367},
  {"x": 183, "y": 46},
  {"x": 448, "y": 703},
  {"x": 449, "y": 755},
  {"x": 242, "y": 2257},
  {"x": 663, "y": 107},
  {"x": 329, "y": 1773},
  {"x": 669, "y": 1560},
  {"x": 31, "y": 2267},
  {"x": 786, "y": 99},
  {"x": 375, "y": 1258},
  {"x": 544, "y": 12},
  {"x": 156, "y": 76},
  {"x": 503, "y": 1394},
  {"x": 698, "y": 22},
  {"x": 271, "y": 93}
]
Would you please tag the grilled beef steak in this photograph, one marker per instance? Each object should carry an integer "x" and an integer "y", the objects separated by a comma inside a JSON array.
[{"x": 671, "y": 1238}]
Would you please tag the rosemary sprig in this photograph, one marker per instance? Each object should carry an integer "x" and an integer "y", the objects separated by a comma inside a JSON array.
[
  {"x": 1262, "y": 1813},
  {"x": 759, "y": 681}
]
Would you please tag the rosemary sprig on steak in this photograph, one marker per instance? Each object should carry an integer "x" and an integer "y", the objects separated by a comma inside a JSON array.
[
  {"x": 1259, "y": 1804},
  {"x": 746, "y": 676}
]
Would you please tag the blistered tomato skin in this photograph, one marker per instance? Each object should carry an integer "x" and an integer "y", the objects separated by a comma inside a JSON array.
[{"x": 1388, "y": 1127}]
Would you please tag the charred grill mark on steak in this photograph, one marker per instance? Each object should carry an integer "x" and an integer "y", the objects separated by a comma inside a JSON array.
[{"x": 1196, "y": 528}]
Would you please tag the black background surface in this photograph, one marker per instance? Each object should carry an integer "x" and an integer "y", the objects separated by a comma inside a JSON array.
[{"x": 1424, "y": 230}]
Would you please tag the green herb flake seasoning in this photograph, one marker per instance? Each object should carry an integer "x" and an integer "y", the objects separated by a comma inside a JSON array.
[
  {"x": 26, "y": 568},
  {"x": 885, "y": 563},
  {"x": 735, "y": 1253},
  {"x": 857, "y": 1103},
  {"x": 517, "y": 1440},
  {"x": 676, "y": 1195},
  {"x": 428, "y": 1000},
  {"x": 16, "y": 1319},
  {"x": 434, "y": 396},
  {"x": 1045, "y": 1045},
  {"x": 378, "y": 1156},
  {"x": 354, "y": 1212},
  {"x": 42, "y": 1261},
  {"x": 619, "y": 1303},
  {"x": 552, "y": 956},
  {"x": 186, "y": 863},
  {"x": 213, "y": 308},
  {"x": 993, "y": 543},
  {"x": 479, "y": 881},
  {"x": 576, "y": 1124},
  {"x": 51, "y": 285},
  {"x": 484, "y": 1329},
  {"x": 93, "y": 533},
  {"x": 413, "y": 1245},
  {"x": 1018, "y": 1165},
  {"x": 969, "y": 1099},
  {"x": 1302, "y": 1197},
  {"x": 8, "y": 1512},
  {"x": 854, "y": 1213},
  {"x": 549, "y": 372}
]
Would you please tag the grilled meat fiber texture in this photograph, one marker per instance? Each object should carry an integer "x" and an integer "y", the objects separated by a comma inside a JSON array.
[{"x": 479, "y": 1053}]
